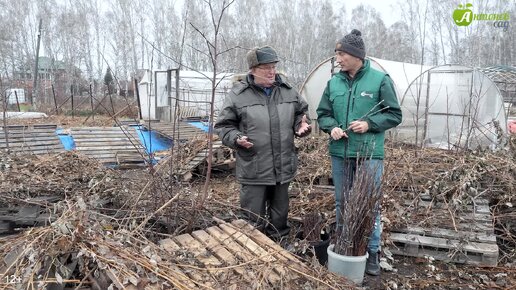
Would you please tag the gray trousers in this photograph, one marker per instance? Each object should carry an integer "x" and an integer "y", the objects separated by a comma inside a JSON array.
[{"x": 266, "y": 207}]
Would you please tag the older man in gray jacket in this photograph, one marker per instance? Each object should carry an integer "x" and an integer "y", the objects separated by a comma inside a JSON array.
[{"x": 259, "y": 119}]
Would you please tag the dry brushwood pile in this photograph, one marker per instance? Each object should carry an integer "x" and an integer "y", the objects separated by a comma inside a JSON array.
[
  {"x": 454, "y": 180},
  {"x": 82, "y": 250},
  {"x": 66, "y": 174},
  {"x": 107, "y": 224}
]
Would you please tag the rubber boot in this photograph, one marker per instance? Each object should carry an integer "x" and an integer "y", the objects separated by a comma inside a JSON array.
[{"x": 373, "y": 264}]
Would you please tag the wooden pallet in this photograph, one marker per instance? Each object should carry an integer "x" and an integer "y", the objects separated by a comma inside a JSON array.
[
  {"x": 219, "y": 159},
  {"x": 183, "y": 130},
  {"x": 225, "y": 251},
  {"x": 473, "y": 242},
  {"x": 110, "y": 145},
  {"x": 34, "y": 139}
]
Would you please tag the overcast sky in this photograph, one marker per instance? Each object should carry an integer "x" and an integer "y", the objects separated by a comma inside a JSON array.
[{"x": 382, "y": 7}]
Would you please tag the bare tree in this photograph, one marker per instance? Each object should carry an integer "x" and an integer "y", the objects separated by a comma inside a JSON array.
[
  {"x": 212, "y": 40},
  {"x": 400, "y": 43},
  {"x": 368, "y": 21}
]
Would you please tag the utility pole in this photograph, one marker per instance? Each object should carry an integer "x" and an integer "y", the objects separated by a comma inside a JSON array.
[{"x": 35, "y": 84}]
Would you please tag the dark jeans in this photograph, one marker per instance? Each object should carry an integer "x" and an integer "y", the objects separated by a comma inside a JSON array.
[
  {"x": 266, "y": 207},
  {"x": 343, "y": 171}
]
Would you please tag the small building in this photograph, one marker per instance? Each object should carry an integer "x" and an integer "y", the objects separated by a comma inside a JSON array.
[
  {"x": 159, "y": 94},
  {"x": 50, "y": 72}
]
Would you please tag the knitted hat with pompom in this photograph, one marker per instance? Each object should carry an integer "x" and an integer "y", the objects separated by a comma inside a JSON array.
[{"x": 352, "y": 44}]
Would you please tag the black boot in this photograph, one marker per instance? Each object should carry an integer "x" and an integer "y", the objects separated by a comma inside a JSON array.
[{"x": 373, "y": 264}]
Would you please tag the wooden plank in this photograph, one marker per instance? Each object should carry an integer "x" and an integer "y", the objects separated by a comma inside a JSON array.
[
  {"x": 111, "y": 156},
  {"x": 33, "y": 143},
  {"x": 204, "y": 256},
  {"x": 110, "y": 145},
  {"x": 271, "y": 246},
  {"x": 183, "y": 130},
  {"x": 31, "y": 139},
  {"x": 239, "y": 252},
  {"x": 104, "y": 134},
  {"x": 483, "y": 254},
  {"x": 96, "y": 129},
  {"x": 105, "y": 138},
  {"x": 28, "y": 128},
  {"x": 27, "y": 134},
  {"x": 222, "y": 255},
  {"x": 200, "y": 158},
  {"x": 106, "y": 142},
  {"x": 258, "y": 252},
  {"x": 171, "y": 247},
  {"x": 104, "y": 148},
  {"x": 47, "y": 139},
  {"x": 36, "y": 150},
  {"x": 478, "y": 201},
  {"x": 200, "y": 252},
  {"x": 480, "y": 206},
  {"x": 472, "y": 236},
  {"x": 34, "y": 126},
  {"x": 280, "y": 253},
  {"x": 214, "y": 246}
]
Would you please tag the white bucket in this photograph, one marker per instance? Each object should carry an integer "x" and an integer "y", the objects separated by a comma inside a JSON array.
[{"x": 351, "y": 267}]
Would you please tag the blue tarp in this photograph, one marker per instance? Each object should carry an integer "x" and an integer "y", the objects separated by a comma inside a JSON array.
[
  {"x": 201, "y": 125},
  {"x": 66, "y": 139},
  {"x": 152, "y": 141}
]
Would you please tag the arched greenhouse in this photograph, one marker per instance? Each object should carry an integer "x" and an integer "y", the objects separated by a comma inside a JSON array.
[{"x": 444, "y": 106}]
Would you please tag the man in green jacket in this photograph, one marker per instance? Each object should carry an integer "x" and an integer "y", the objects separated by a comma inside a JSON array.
[
  {"x": 358, "y": 105},
  {"x": 259, "y": 119}
]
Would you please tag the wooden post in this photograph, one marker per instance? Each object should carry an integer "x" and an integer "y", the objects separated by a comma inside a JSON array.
[
  {"x": 91, "y": 102},
  {"x": 17, "y": 101},
  {"x": 112, "y": 106},
  {"x": 138, "y": 98},
  {"x": 6, "y": 130},
  {"x": 36, "y": 70},
  {"x": 71, "y": 97},
  {"x": 55, "y": 101}
]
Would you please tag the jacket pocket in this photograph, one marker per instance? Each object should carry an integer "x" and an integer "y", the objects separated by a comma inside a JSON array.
[
  {"x": 339, "y": 104},
  {"x": 364, "y": 103},
  {"x": 247, "y": 165},
  {"x": 290, "y": 163}
]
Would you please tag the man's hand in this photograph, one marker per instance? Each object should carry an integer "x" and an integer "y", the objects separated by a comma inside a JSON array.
[
  {"x": 243, "y": 141},
  {"x": 359, "y": 126},
  {"x": 337, "y": 133},
  {"x": 304, "y": 128}
]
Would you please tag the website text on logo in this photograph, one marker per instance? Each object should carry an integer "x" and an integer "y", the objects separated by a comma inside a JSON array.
[{"x": 463, "y": 16}]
